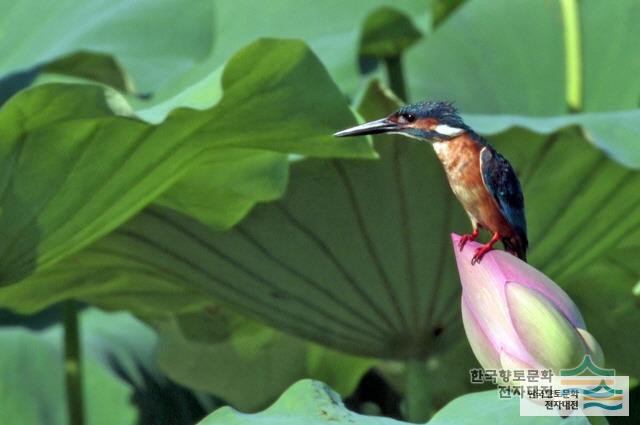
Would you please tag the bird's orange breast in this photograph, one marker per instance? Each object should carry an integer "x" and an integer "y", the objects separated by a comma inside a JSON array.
[{"x": 461, "y": 160}]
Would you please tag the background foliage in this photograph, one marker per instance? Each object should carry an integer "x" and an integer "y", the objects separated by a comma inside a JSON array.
[{"x": 176, "y": 162}]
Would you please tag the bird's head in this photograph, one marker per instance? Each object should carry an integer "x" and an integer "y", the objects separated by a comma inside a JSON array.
[{"x": 428, "y": 121}]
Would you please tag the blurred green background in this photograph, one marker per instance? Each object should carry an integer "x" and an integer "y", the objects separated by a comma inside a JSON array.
[{"x": 173, "y": 202}]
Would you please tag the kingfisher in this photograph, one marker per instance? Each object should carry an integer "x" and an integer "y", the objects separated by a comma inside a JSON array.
[{"x": 481, "y": 178}]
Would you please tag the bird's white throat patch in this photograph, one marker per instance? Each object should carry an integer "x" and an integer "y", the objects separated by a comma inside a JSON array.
[
  {"x": 447, "y": 130},
  {"x": 441, "y": 148}
]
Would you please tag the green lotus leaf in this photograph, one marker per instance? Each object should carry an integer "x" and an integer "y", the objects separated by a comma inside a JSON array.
[
  {"x": 98, "y": 67},
  {"x": 330, "y": 28},
  {"x": 505, "y": 57},
  {"x": 239, "y": 177},
  {"x": 309, "y": 402},
  {"x": 607, "y": 285},
  {"x": 482, "y": 58},
  {"x": 486, "y": 408},
  {"x": 291, "y": 241},
  {"x": 442, "y": 9},
  {"x": 73, "y": 171},
  {"x": 356, "y": 255},
  {"x": 312, "y": 402},
  {"x": 246, "y": 363},
  {"x": 615, "y": 133},
  {"x": 387, "y": 33},
  {"x": 611, "y": 63},
  {"x": 364, "y": 319},
  {"x": 43, "y": 32}
]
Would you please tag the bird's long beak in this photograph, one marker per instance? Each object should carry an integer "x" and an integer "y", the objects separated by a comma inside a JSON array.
[{"x": 383, "y": 125}]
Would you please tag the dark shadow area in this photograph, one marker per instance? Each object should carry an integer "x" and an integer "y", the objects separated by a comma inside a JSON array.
[
  {"x": 161, "y": 401},
  {"x": 13, "y": 83},
  {"x": 374, "y": 391}
]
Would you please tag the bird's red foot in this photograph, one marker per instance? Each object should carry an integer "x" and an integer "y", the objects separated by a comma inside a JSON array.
[
  {"x": 480, "y": 252},
  {"x": 477, "y": 257},
  {"x": 466, "y": 238}
]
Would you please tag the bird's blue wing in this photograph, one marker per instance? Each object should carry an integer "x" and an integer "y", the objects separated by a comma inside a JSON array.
[{"x": 502, "y": 183}]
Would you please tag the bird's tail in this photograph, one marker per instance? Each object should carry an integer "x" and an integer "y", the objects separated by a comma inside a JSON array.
[{"x": 516, "y": 245}]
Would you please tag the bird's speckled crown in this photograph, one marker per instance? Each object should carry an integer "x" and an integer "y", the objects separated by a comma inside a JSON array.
[{"x": 445, "y": 112}]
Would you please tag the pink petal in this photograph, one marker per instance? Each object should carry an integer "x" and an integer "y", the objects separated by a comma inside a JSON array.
[
  {"x": 483, "y": 292},
  {"x": 482, "y": 347},
  {"x": 506, "y": 267}
]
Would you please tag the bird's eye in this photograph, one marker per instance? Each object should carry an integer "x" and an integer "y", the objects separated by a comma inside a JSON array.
[{"x": 408, "y": 117}]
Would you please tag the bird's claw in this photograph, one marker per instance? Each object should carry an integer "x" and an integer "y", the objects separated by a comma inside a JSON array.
[
  {"x": 463, "y": 241},
  {"x": 466, "y": 238},
  {"x": 480, "y": 252}
]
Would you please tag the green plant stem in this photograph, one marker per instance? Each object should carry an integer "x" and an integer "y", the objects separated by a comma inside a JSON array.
[
  {"x": 73, "y": 364},
  {"x": 417, "y": 391},
  {"x": 598, "y": 420},
  {"x": 573, "y": 54},
  {"x": 418, "y": 398},
  {"x": 395, "y": 75}
]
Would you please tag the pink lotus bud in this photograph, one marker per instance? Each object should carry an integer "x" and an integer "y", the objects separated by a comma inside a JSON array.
[{"x": 515, "y": 317}]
